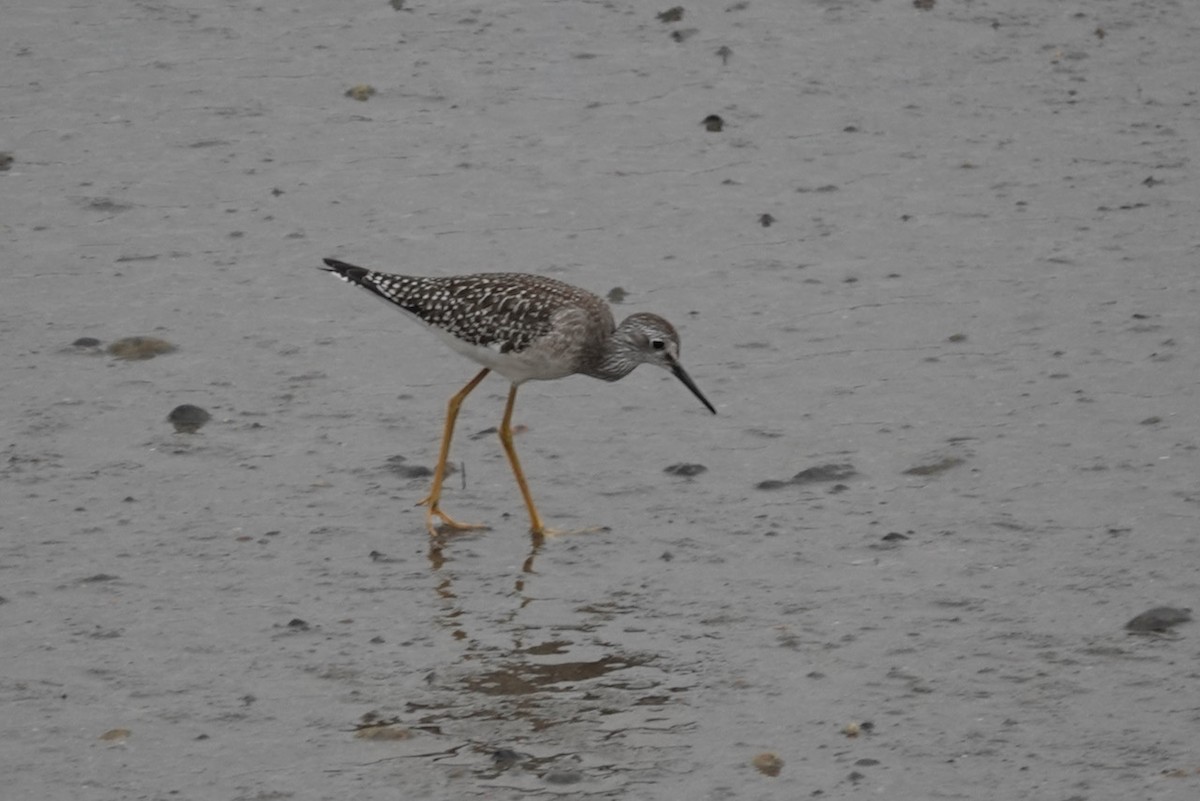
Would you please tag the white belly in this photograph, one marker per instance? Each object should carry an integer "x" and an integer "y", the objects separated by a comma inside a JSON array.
[{"x": 531, "y": 364}]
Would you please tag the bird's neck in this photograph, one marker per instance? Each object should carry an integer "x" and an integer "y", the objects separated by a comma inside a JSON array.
[{"x": 616, "y": 359}]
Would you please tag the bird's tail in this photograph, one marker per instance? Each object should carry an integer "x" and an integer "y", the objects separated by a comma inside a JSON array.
[{"x": 348, "y": 272}]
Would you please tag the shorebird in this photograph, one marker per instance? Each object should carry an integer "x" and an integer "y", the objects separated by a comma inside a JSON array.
[{"x": 524, "y": 327}]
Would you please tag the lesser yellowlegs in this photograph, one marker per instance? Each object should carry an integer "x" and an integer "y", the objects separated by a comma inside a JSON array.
[{"x": 523, "y": 327}]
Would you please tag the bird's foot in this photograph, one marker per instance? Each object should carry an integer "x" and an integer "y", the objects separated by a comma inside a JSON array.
[
  {"x": 550, "y": 533},
  {"x": 447, "y": 522}
]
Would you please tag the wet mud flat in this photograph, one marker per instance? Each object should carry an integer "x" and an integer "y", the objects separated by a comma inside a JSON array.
[{"x": 933, "y": 264}]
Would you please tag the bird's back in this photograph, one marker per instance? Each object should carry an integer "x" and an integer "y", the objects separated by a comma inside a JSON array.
[{"x": 505, "y": 313}]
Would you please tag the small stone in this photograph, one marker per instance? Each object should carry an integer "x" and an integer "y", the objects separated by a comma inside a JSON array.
[
  {"x": 563, "y": 777},
  {"x": 188, "y": 419},
  {"x": 362, "y": 92},
  {"x": 685, "y": 470},
  {"x": 935, "y": 467},
  {"x": 396, "y": 464},
  {"x": 97, "y": 578},
  {"x": 139, "y": 348},
  {"x": 713, "y": 123},
  {"x": 1159, "y": 619},
  {"x": 767, "y": 763},
  {"x": 382, "y": 731},
  {"x": 507, "y": 757},
  {"x": 825, "y": 472}
]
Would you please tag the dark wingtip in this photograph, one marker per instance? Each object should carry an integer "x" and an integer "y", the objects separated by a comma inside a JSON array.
[
  {"x": 335, "y": 266},
  {"x": 347, "y": 271}
]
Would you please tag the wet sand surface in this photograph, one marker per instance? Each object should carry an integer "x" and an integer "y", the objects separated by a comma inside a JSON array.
[{"x": 937, "y": 270}]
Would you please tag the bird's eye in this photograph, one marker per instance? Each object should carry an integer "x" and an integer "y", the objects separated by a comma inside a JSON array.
[{"x": 657, "y": 344}]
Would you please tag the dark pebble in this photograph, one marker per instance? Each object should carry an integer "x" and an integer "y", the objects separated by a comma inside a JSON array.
[
  {"x": 1159, "y": 619},
  {"x": 139, "y": 348},
  {"x": 506, "y": 757},
  {"x": 813, "y": 475},
  {"x": 188, "y": 419},
  {"x": 411, "y": 470},
  {"x": 563, "y": 777},
  {"x": 87, "y": 342},
  {"x": 396, "y": 464},
  {"x": 825, "y": 472},
  {"x": 685, "y": 470},
  {"x": 933, "y": 468},
  {"x": 889, "y": 541}
]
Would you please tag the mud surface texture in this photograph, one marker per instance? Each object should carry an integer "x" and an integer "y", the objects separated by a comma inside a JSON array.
[{"x": 936, "y": 264}]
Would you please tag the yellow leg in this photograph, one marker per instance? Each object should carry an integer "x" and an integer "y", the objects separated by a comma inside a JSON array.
[
  {"x": 506, "y": 439},
  {"x": 439, "y": 473}
]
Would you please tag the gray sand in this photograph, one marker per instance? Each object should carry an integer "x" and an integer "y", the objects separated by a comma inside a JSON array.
[{"x": 979, "y": 291}]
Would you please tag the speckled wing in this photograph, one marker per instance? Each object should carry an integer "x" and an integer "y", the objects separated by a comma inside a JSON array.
[{"x": 504, "y": 312}]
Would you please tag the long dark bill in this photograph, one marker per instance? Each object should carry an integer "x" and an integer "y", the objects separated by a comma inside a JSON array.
[{"x": 682, "y": 375}]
